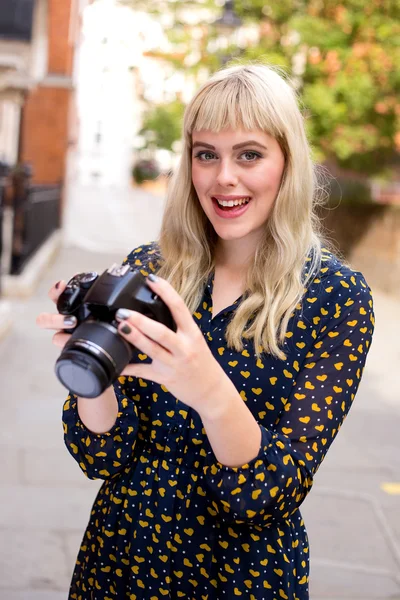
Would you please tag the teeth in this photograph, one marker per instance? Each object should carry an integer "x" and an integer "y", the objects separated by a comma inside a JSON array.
[{"x": 237, "y": 202}]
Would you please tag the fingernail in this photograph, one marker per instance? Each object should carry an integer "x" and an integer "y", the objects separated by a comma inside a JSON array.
[
  {"x": 58, "y": 284},
  {"x": 153, "y": 278},
  {"x": 123, "y": 313},
  {"x": 126, "y": 329},
  {"x": 70, "y": 321}
]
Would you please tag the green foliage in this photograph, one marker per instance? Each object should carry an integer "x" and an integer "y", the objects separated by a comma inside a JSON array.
[
  {"x": 350, "y": 81},
  {"x": 317, "y": 32},
  {"x": 266, "y": 56},
  {"x": 164, "y": 122}
]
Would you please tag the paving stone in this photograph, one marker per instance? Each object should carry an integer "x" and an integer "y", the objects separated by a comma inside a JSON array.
[
  {"x": 346, "y": 530},
  {"x": 337, "y": 583},
  {"x": 33, "y": 559},
  {"x": 10, "y": 464},
  {"x": 56, "y": 469},
  {"x": 392, "y": 516},
  {"x": 365, "y": 482},
  {"x": 45, "y": 507},
  {"x": 72, "y": 542},
  {"x": 7, "y": 594},
  {"x": 133, "y": 213}
]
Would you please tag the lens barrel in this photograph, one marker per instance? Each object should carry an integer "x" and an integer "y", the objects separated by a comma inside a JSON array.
[{"x": 91, "y": 360}]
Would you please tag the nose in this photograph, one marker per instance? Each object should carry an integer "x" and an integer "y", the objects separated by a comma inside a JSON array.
[{"x": 227, "y": 175}]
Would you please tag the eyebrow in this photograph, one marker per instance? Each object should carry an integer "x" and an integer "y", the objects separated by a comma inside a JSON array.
[{"x": 242, "y": 145}]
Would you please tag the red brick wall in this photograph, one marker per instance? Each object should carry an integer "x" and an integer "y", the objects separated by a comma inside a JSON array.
[
  {"x": 45, "y": 133},
  {"x": 46, "y": 114},
  {"x": 60, "y": 41}
]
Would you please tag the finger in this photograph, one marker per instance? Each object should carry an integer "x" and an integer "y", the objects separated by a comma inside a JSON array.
[
  {"x": 142, "y": 371},
  {"x": 135, "y": 337},
  {"x": 55, "y": 321},
  {"x": 56, "y": 290},
  {"x": 60, "y": 339},
  {"x": 175, "y": 303},
  {"x": 150, "y": 328}
]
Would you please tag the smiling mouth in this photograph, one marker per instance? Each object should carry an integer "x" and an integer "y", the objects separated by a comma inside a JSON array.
[{"x": 232, "y": 203}]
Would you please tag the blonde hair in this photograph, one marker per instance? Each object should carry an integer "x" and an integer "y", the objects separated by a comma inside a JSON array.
[{"x": 251, "y": 96}]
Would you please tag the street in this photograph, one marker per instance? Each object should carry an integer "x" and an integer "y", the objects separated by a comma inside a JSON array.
[{"x": 352, "y": 513}]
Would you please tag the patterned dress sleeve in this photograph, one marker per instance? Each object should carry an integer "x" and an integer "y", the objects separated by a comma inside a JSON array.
[
  {"x": 101, "y": 456},
  {"x": 275, "y": 483}
]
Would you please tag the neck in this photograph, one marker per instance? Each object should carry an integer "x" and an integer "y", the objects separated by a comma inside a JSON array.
[{"x": 233, "y": 255}]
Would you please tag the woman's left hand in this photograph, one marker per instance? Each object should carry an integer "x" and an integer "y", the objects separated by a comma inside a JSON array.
[{"x": 182, "y": 361}]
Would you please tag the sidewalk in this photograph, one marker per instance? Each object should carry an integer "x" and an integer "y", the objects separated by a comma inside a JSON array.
[
  {"x": 109, "y": 218},
  {"x": 353, "y": 523}
]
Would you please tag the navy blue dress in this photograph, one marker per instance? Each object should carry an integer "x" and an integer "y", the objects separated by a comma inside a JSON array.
[{"x": 170, "y": 521}]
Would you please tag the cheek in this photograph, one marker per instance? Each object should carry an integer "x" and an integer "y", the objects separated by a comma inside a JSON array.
[
  {"x": 199, "y": 179},
  {"x": 267, "y": 180},
  {"x": 200, "y": 186},
  {"x": 196, "y": 178},
  {"x": 196, "y": 183}
]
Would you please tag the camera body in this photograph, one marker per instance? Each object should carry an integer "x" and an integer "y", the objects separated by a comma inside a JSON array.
[{"x": 95, "y": 355}]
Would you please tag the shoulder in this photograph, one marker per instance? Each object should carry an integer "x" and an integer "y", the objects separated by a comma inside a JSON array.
[
  {"x": 336, "y": 288},
  {"x": 144, "y": 257},
  {"x": 336, "y": 276}
]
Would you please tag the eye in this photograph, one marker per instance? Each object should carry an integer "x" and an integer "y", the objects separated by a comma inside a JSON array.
[
  {"x": 251, "y": 156},
  {"x": 205, "y": 155}
]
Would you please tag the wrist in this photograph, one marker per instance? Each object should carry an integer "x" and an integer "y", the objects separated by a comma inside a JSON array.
[
  {"x": 99, "y": 414},
  {"x": 219, "y": 400}
]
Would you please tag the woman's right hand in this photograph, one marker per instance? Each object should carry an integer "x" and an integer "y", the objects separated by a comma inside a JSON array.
[
  {"x": 55, "y": 320},
  {"x": 100, "y": 416}
]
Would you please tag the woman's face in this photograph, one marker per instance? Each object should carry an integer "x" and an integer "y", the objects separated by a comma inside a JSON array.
[{"x": 236, "y": 167}]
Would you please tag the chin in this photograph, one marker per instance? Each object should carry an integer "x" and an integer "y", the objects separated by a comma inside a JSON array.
[{"x": 230, "y": 235}]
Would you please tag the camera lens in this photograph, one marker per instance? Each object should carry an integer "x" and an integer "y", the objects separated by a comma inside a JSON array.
[
  {"x": 92, "y": 359},
  {"x": 81, "y": 374}
]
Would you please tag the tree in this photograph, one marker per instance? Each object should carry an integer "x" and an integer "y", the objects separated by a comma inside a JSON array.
[
  {"x": 343, "y": 57},
  {"x": 164, "y": 122}
]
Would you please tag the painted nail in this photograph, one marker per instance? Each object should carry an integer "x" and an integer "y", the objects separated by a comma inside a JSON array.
[
  {"x": 70, "y": 321},
  {"x": 126, "y": 329},
  {"x": 153, "y": 278},
  {"x": 123, "y": 313},
  {"x": 58, "y": 284}
]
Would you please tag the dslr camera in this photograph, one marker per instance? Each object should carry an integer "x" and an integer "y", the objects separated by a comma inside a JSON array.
[{"x": 95, "y": 355}]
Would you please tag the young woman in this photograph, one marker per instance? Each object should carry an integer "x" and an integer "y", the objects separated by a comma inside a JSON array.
[{"x": 209, "y": 441}]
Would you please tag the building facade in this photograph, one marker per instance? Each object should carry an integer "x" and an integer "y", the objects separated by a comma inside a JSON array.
[
  {"x": 37, "y": 115},
  {"x": 38, "y": 124}
]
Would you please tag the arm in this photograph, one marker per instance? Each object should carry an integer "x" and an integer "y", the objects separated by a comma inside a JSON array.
[
  {"x": 100, "y": 416},
  {"x": 274, "y": 484},
  {"x": 101, "y": 433},
  {"x": 102, "y": 454},
  {"x": 232, "y": 431}
]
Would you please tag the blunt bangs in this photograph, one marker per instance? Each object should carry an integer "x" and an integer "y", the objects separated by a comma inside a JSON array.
[{"x": 234, "y": 103}]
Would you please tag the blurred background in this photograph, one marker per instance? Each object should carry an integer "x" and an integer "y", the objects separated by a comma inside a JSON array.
[{"x": 92, "y": 94}]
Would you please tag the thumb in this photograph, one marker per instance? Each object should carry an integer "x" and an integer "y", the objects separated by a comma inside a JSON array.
[{"x": 56, "y": 290}]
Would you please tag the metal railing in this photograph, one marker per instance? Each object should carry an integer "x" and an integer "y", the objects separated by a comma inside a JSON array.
[
  {"x": 3, "y": 182},
  {"x": 36, "y": 217}
]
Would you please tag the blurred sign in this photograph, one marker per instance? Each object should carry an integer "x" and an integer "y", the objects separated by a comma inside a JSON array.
[
  {"x": 388, "y": 193},
  {"x": 16, "y": 18},
  {"x": 391, "y": 488}
]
